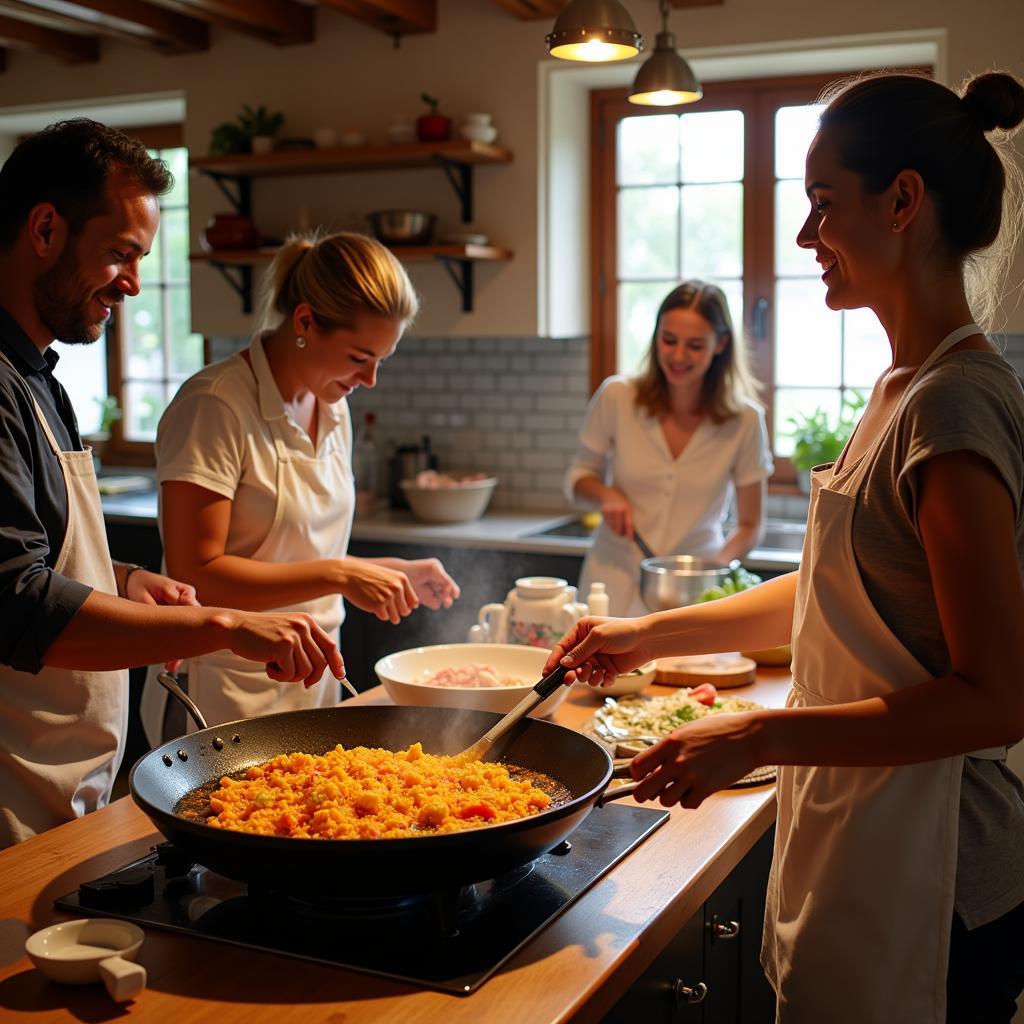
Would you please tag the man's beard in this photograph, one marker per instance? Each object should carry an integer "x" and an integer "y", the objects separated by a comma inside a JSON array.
[{"x": 63, "y": 305}]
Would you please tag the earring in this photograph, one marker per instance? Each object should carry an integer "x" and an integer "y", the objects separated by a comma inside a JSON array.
[
  {"x": 895, "y": 226},
  {"x": 300, "y": 342}
]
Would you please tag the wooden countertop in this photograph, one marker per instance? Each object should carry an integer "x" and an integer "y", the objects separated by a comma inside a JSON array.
[{"x": 575, "y": 970}]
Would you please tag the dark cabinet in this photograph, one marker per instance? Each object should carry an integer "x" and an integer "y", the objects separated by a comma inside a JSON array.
[{"x": 710, "y": 973}]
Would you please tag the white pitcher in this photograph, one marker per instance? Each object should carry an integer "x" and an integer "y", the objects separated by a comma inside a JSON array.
[{"x": 537, "y": 613}]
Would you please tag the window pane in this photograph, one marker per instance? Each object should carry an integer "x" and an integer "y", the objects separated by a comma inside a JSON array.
[
  {"x": 150, "y": 267},
  {"x": 712, "y": 145},
  {"x": 733, "y": 289},
  {"x": 648, "y": 232},
  {"x": 174, "y": 238},
  {"x": 177, "y": 161},
  {"x": 144, "y": 406},
  {"x": 638, "y": 306},
  {"x": 807, "y": 336},
  {"x": 143, "y": 335},
  {"x": 866, "y": 351},
  {"x": 790, "y": 402},
  {"x": 186, "y": 348},
  {"x": 795, "y": 127},
  {"x": 791, "y": 209},
  {"x": 648, "y": 150},
  {"x": 83, "y": 372},
  {"x": 712, "y": 230}
]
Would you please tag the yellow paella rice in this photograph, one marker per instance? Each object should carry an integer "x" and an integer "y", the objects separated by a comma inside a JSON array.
[{"x": 369, "y": 793}]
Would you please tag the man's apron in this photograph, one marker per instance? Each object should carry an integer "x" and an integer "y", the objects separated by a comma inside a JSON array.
[{"x": 62, "y": 731}]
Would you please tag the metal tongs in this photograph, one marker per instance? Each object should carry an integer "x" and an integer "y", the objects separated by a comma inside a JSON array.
[{"x": 540, "y": 692}]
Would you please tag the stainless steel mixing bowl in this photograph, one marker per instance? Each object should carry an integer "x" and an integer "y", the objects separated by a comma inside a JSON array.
[
  {"x": 402, "y": 227},
  {"x": 678, "y": 580}
]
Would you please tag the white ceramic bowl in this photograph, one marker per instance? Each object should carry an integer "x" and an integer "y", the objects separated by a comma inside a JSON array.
[
  {"x": 404, "y": 675},
  {"x": 632, "y": 682},
  {"x": 449, "y": 504},
  {"x": 91, "y": 949}
]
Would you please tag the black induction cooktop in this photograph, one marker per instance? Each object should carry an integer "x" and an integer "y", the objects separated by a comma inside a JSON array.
[{"x": 451, "y": 940}]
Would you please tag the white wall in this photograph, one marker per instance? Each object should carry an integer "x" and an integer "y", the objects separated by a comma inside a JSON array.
[{"x": 480, "y": 59}]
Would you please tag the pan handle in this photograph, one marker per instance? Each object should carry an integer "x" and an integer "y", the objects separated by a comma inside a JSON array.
[
  {"x": 620, "y": 770},
  {"x": 170, "y": 684}
]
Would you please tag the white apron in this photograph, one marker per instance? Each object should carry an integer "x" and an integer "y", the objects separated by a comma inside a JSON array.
[
  {"x": 860, "y": 897},
  {"x": 312, "y": 520},
  {"x": 62, "y": 731}
]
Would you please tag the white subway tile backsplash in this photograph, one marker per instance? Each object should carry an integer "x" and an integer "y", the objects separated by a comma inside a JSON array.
[{"x": 507, "y": 406}]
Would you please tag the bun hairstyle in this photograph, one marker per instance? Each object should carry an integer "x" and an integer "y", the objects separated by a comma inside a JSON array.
[
  {"x": 728, "y": 380},
  {"x": 339, "y": 276},
  {"x": 957, "y": 142}
]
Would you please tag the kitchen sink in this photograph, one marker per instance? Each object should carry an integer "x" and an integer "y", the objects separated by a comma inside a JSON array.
[{"x": 779, "y": 534}]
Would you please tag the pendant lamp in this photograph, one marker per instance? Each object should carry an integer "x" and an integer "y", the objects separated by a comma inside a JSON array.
[
  {"x": 595, "y": 31},
  {"x": 665, "y": 79}
]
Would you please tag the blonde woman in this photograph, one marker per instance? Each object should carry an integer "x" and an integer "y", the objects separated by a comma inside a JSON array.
[
  {"x": 664, "y": 452},
  {"x": 254, "y": 467}
]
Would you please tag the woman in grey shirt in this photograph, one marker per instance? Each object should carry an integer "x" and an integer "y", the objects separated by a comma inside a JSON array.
[{"x": 897, "y": 888}]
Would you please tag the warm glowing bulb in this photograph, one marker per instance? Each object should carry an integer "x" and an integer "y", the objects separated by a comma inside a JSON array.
[
  {"x": 594, "y": 51},
  {"x": 664, "y": 98}
]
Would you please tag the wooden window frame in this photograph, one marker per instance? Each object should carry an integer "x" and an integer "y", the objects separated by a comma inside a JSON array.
[
  {"x": 120, "y": 450},
  {"x": 758, "y": 99}
]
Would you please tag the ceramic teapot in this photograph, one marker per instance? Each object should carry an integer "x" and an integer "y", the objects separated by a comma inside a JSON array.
[{"x": 537, "y": 613}]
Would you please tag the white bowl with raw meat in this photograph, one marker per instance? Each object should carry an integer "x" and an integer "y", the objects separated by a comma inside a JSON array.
[
  {"x": 485, "y": 677},
  {"x": 448, "y": 498}
]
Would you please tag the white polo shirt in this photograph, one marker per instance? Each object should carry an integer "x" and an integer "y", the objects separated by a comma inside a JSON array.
[{"x": 216, "y": 434}]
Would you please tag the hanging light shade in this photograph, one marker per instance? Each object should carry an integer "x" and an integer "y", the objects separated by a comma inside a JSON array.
[
  {"x": 594, "y": 30},
  {"x": 665, "y": 79}
]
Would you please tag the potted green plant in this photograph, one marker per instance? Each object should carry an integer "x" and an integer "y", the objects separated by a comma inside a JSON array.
[
  {"x": 110, "y": 413},
  {"x": 817, "y": 441},
  {"x": 252, "y": 131}
]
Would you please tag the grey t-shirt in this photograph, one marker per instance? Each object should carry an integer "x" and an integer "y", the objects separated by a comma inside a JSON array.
[{"x": 968, "y": 401}]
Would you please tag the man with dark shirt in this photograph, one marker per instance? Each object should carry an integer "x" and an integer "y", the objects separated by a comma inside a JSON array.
[{"x": 78, "y": 211}]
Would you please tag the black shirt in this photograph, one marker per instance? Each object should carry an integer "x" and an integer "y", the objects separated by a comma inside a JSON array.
[{"x": 35, "y": 602}]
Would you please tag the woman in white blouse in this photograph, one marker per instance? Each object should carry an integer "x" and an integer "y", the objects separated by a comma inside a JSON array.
[
  {"x": 254, "y": 463},
  {"x": 664, "y": 452}
]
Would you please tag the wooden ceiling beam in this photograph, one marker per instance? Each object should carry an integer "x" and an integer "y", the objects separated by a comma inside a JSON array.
[
  {"x": 128, "y": 20},
  {"x": 533, "y": 10},
  {"x": 281, "y": 22},
  {"x": 65, "y": 46},
  {"x": 395, "y": 17}
]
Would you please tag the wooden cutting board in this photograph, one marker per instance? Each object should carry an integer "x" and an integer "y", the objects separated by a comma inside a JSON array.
[{"x": 723, "y": 671}]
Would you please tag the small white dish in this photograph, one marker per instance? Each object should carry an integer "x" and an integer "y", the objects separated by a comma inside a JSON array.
[
  {"x": 88, "y": 950},
  {"x": 463, "y": 238},
  {"x": 485, "y": 133},
  {"x": 630, "y": 683}
]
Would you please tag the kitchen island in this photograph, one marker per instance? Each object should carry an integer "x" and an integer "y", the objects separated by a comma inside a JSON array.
[{"x": 577, "y": 969}]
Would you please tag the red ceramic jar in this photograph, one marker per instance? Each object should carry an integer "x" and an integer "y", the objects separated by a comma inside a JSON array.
[{"x": 229, "y": 231}]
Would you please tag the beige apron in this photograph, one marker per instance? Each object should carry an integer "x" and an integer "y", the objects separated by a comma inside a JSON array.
[
  {"x": 860, "y": 898},
  {"x": 312, "y": 520},
  {"x": 62, "y": 731}
]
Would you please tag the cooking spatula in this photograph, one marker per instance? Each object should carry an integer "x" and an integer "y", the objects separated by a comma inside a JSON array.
[{"x": 540, "y": 692}]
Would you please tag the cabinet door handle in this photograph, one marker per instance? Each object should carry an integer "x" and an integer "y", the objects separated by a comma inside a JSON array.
[
  {"x": 691, "y": 994},
  {"x": 724, "y": 930}
]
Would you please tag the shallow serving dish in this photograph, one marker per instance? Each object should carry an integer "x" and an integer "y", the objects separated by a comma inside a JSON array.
[
  {"x": 626, "y": 684},
  {"x": 404, "y": 675}
]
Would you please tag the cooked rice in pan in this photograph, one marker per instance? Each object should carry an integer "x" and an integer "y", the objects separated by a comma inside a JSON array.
[{"x": 370, "y": 793}]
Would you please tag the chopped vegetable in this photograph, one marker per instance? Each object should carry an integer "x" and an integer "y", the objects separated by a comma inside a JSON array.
[{"x": 739, "y": 579}]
